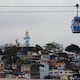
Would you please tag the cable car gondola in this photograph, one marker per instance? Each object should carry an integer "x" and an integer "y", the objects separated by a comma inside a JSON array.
[
  {"x": 76, "y": 22},
  {"x": 76, "y": 25}
]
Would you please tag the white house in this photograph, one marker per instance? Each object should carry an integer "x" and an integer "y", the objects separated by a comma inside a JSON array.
[
  {"x": 45, "y": 57},
  {"x": 61, "y": 73},
  {"x": 44, "y": 70}
]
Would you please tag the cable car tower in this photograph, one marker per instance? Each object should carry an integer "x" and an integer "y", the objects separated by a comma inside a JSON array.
[
  {"x": 76, "y": 22},
  {"x": 27, "y": 39}
]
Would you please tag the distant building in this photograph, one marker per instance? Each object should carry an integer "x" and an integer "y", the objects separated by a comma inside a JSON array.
[
  {"x": 35, "y": 74},
  {"x": 25, "y": 68},
  {"x": 27, "y": 39},
  {"x": 44, "y": 70},
  {"x": 61, "y": 73}
]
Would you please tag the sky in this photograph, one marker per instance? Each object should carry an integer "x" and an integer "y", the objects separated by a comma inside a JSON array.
[{"x": 43, "y": 27}]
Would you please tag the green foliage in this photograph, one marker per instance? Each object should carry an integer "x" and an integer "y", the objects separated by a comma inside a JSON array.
[
  {"x": 73, "y": 48},
  {"x": 38, "y": 48},
  {"x": 54, "y": 46},
  {"x": 10, "y": 53}
]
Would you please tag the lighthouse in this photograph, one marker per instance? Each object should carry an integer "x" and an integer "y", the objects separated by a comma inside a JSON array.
[{"x": 27, "y": 39}]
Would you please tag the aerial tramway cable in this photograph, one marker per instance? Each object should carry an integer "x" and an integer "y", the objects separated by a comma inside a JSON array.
[
  {"x": 36, "y": 11},
  {"x": 75, "y": 22},
  {"x": 34, "y": 6}
]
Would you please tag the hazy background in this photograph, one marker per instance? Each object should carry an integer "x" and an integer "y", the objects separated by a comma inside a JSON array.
[{"x": 42, "y": 27}]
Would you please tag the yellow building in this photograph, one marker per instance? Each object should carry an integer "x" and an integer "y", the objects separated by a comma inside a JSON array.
[{"x": 64, "y": 78}]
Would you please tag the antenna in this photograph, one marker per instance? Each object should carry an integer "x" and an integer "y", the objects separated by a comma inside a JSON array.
[{"x": 17, "y": 43}]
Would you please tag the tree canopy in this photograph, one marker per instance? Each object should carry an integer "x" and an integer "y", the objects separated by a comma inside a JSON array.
[
  {"x": 38, "y": 48},
  {"x": 11, "y": 54},
  {"x": 54, "y": 46},
  {"x": 73, "y": 48}
]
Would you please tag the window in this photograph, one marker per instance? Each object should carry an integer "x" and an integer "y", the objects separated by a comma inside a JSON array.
[
  {"x": 55, "y": 67},
  {"x": 61, "y": 72},
  {"x": 2, "y": 65},
  {"x": 70, "y": 72},
  {"x": 55, "y": 72},
  {"x": 50, "y": 72}
]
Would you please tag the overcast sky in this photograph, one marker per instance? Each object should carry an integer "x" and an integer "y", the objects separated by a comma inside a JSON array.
[{"x": 42, "y": 27}]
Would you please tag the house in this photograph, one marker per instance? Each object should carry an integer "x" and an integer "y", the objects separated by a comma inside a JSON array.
[
  {"x": 64, "y": 78},
  {"x": 2, "y": 74},
  {"x": 9, "y": 73},
  {"x": 45, "y": 57},
  {"x": 25, "y": 69},
  {"x": 34, "y": 70},
  {"x": 1, "y": 66},
  {"x": 60, "y": 73},
  {"x": 44, "y": 69},
  {"x": 62, "y": 56},
  {"x": 35, "y": 56},
  {"x": 77, "y": 55},
  {"x": 52, "y": 56},
  {"x": 76, "y": 77},
  {"x": 71, "y": 56},
  {"x": 1, "y": 63},
  {"x": 77, "y": 62},
  {"x": 57, "y": 65},
  {"x": 14, "y": 66}
]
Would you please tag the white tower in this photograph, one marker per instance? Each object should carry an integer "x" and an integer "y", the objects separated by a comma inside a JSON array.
[{"x": 27, "y": 39}]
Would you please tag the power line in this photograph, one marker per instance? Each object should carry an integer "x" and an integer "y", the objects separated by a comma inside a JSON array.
[
  {"x": 6, "y": 6},
  {"x": 38, "y": 6},
  {"x": 33, "y": 11}
]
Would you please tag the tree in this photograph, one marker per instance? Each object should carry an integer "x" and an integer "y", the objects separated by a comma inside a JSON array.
[
  {"x": 73, "y": 48},
  {"x": 11, "y": 53},
  {"x": 38, "y": 48},
  {"x": 54, "y": 46}
]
